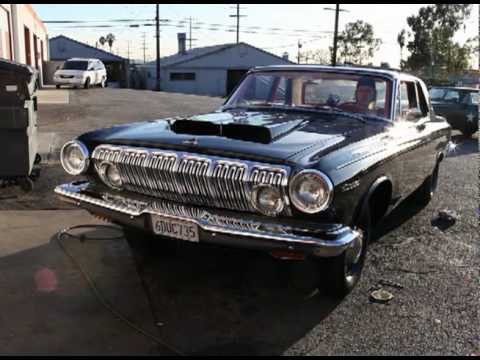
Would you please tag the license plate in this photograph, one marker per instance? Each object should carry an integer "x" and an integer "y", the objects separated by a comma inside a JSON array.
[{"x": 178, "y": 229}]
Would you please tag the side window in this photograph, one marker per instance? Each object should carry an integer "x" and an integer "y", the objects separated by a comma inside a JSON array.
[
  {"x": 407, "y": 99},
  {"x": 422, "y": 101},
  {"x": 474, "y": 98},
  {"x": 452, "y": 96}
]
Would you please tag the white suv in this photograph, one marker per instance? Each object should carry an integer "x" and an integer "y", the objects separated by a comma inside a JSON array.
[{"x": 81, "y": 72}]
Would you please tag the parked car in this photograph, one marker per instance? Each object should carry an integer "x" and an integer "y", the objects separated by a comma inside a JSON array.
[
  {"x": 300, "y": 161},
  {"x": 459, "y": 105},
  {"x": 81, "y": 72}
]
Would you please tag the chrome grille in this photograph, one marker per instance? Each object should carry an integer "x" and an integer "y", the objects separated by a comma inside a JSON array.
[{"x": 192, "y": 178}]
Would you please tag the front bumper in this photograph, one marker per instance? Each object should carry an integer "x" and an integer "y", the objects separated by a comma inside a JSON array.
[
  {"x": 69, "y": 81},
  {"x": 215, "y": 226}
]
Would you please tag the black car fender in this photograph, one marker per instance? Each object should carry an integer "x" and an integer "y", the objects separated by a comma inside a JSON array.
[{"x": 364, "y": 203}]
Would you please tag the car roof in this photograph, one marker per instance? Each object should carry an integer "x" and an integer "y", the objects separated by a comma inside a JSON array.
[
  {"x": 82, "y": 59},
  {"x": 463, "y": 88},
  {"x": 391, "y": 73}
]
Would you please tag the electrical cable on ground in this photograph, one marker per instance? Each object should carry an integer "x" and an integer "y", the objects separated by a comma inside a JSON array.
[{"x": 91, "y": 283}]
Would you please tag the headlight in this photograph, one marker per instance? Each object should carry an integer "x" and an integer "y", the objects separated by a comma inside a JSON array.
[
  {"x": 74, "y": 157},
  {"x": 267, "y": 199},
  {"x": 311, "y": 191},
  {"x": 110, "y": 175}
]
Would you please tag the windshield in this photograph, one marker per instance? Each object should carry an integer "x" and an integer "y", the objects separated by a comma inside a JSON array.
[
  {"x": 75, "y": 65},
  {"x": 363, "y": 94}
]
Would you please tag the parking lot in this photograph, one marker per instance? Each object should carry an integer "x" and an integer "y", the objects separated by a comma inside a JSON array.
[{"x": 223, "y": 301}]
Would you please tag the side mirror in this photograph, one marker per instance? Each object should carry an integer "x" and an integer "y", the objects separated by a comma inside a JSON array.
[
  {"x": 413, "y": 115},
  {"x": 91, "y": 69}
]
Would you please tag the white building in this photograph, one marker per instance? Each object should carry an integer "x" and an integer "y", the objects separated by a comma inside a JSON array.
[
  {"x": 213, "y": 70},
  {"x": 23, "y": 36}
]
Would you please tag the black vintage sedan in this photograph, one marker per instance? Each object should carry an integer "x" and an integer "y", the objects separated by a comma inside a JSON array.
[
  {"x": 459, "y": 105},
  {"x": 301, "y": 161}
]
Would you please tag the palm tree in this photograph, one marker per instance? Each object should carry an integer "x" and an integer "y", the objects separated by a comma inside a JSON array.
[
  {"x": 110, "y": 39},
  {"x": 102, "y": 40},
  {"x": 401, "y": 42}
]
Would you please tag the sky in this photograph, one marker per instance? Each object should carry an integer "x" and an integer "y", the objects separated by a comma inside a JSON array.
[{"x": 311, "y": 24}]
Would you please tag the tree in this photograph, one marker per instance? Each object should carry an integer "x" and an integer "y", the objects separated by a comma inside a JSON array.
[
  {"x": 102, "y": 40},
  {"x": 432, "y": 49},
  {"x": 318, "y": 56},
  {"x": 401, "y": 42},
  {"x": 357, "y": 42},
  {"x": 110, "y": 39}
]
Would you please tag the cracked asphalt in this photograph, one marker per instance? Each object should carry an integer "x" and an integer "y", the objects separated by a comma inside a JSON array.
[{"x": 208, "y": 300}]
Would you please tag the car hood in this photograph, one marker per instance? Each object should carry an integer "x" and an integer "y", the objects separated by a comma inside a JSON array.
[{"x": 268, "y": 135}]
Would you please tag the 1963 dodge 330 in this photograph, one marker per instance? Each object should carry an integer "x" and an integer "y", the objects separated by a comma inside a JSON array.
[{"x": 300, "y": 161}]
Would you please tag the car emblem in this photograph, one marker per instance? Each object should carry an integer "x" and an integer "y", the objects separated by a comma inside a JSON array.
[{"x": 192, "y": 141}]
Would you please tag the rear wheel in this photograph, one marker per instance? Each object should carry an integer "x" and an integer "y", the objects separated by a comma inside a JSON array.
[{"x": 339, "y": 275}]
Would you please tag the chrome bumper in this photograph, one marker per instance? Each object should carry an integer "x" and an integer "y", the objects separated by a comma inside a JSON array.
[
  {"x": 70, "y": 81},
  {"x": 218, "y": 227}
]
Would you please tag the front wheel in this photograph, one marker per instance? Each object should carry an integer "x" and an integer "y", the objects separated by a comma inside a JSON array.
[
  {"x": 339, "y": 275},
  {"x": 87, "y": 83},
  {"x": 427, "y": 189},
  {"x": 57, "y": 86}
]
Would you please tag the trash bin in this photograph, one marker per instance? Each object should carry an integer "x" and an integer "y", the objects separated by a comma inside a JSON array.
[{"x": 18, "y": 123}]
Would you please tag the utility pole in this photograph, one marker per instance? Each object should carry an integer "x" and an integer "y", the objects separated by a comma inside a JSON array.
[
  {"x": 298, "y": 54},
  {"x": 144, "y": 47},
  {"x": 190, "y": 33},
  {"x": 157, "y": 20},
  {"x": 335, "y": 34},
  {"x": 128, "y": 50},
  {"x": 238, "y": 16}
]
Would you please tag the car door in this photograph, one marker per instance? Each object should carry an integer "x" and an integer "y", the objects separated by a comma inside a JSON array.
[
  {"x": 415, "y": 136},
  {"x": 470, "y": 104},
  {"x": 452, "y": 106},
  {"x": 98, "y": 74},
  {"x": 102, "y": 70}
]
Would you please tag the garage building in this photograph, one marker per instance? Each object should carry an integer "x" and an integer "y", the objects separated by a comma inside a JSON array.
[
  {"x": 213, "y": 70},
  {"x": 23, "y": 36}
]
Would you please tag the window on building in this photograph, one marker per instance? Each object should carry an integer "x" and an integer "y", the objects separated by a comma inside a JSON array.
[
  {"x": 182, "y": 76},
  {"x": 28, "y": 54}
]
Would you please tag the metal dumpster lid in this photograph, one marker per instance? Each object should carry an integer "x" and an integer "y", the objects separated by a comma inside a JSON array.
[{"x": 16, "y": 67}]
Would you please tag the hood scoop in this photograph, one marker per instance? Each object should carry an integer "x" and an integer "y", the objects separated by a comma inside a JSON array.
[{"x": 235, "y": 130}]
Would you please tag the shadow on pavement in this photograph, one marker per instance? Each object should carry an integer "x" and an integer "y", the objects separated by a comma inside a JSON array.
[
  {"x": 204, "y": 300},
  {"x": 225, "y": 301},
  {"x": 48, "y": 307}
]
